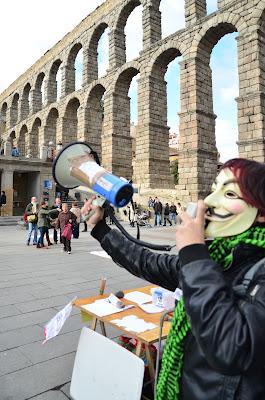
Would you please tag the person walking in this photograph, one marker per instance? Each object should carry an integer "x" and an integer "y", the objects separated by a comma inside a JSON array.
[
  {"x": 53, "y": 219},
  {"x": 2, "y": 202},
  {"x": 214, "y": 349},
  {"x": 158, "y": 212},
  {"x": 166, "y": 215},
  {"x": 173, "y": 213},
  {"x": 84, "y": 221},
  {"x": 31, "y": 213},
  {"x": 65, "y": 217},
  {"x": 77, "y": 212},
  {"x": 43, "y": 224}
]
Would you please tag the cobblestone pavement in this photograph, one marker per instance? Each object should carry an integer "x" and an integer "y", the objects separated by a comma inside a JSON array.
[{"x": 34, "y": 285}]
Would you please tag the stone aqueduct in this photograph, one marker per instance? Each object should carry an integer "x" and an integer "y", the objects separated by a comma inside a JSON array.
[{"x": 29, "y": 121}]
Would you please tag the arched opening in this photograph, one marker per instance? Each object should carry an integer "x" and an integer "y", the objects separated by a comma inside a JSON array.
[
  {"x": 164, "y": 108},
  {"x": 219, "y": 87},
  {"x": 3, "y": 118},
  {"x": 134, "y": 33},
  {"x": 133, "y": 96},
  {"x": 126, "y": 114},
  {"x": 79, "y": 69},
  {"x": 211, "y": 6},
  {"x": 225, "y": 91},
  {"x": 50, "y": 129},
  {"x": 38, "y": 94},
  {"x": 21, "y": 144},
  {"x": 103, "y": 53},
  {"x": 33, "y": 148},
  {"x": 97, "y": 54},
  {"x": 74, "y": 69},
  {"x": 54, "y": 82},
  {"x": 25, "y": 102},
  {"x": 70, "y": 122},
  {"x": 94, "y": 118},
  {"x": 172, "y": 16},
  {"x": 14, "y": 110}
]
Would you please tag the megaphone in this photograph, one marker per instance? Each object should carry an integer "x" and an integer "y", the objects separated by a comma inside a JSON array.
[{"x": 78, "y": 164}]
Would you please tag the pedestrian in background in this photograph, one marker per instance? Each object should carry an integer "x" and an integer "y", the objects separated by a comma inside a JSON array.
[
  {"x": 173, "y": 213},
  {"x": 43, "y": 224},
  {"x": 84, "y": 221},
  {"x": 158, "y": 212},
  {"x": 77, "y": 212},
  {"x": 65, "y": 217},
  {"x": 31, "y": 213},
  {"x": 166, "y": 215}
]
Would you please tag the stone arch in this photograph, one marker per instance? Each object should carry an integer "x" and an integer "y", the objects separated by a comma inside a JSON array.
[
  {"x": 215, "y": 29},
  {"x": 91, "y": 53},
  {"x": 94, "y": 117},
  {"x": 33, "y": 146},
  {"x": 52, "y": 90},
  {"x": 21, "y": 142},
  {"x": 118, "y": 39},
  {"x": 3, "y": 116},
  {"x": 51, "y": 126},
  {"x": 14, "y": 110},
  {"x": 38, "y": 93},
  {"x": 70, "y": 121},
  {"x": 25, "y": 102},
  {"x": 70, "y": 75}
]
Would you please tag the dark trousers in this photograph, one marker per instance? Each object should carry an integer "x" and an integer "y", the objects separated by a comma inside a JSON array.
[
  {"x": 66, "y": 244},
  {"x": 166, "y": 218},
  {"x": 76, "y": 231},
  {"x": 55, "y": 236},
  {"x": 85, "y": 226},
  {"x": 43, "y": 230}
]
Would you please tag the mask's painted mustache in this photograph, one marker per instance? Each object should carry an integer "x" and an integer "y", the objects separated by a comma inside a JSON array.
[{"x": 210, "y": 213}]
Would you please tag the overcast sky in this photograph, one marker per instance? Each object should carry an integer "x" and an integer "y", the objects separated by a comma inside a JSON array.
[{"x": 29, "y": 29}]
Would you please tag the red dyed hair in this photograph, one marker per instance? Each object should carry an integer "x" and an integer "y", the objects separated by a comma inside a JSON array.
[{"x": 250, "y": 176}]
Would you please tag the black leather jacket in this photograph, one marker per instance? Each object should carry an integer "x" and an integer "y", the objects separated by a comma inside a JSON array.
[{"x": 224, "y": 354}]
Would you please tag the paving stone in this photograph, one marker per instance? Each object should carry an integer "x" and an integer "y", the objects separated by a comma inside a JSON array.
[
  {"x": 23, "y": 320},
  {"x": 12, "y": 360},
  {"x": 51, "y": 395},
  {"x": 41, "y": 304},
  {"x": 8, "y": 311},
  {"x": 34, "y": 380},
  {"x": 60, "y": 345},
  {"x": 66, "y": 389},
  {"x": 18, "y": 337}
]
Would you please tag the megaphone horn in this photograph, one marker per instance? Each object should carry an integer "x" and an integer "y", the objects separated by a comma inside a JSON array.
[{"x": 78, "y": 164}]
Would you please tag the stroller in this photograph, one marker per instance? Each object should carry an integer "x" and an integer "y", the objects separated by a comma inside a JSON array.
[{"x": 143, "y": 218}]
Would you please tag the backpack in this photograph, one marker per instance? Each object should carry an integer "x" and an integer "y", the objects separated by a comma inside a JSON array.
[{"x": 242, "y": 289}]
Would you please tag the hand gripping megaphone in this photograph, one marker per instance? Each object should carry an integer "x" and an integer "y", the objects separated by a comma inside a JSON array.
[{"x": 77, "y": 164}]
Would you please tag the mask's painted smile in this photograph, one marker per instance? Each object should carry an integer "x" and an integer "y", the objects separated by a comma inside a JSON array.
[{"x": 227, "y": 212}]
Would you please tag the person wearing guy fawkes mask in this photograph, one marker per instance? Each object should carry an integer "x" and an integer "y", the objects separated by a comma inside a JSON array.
[{"x": 215, "y": 349}]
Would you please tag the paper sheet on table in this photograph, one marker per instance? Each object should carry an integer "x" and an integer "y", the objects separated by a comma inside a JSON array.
[
  {"x": 100, "y": 253},
  {"x": 151, "y": 308},
  {"x": 102, "y": 308},
  {"x": 134, "y": 324},
  {"x": 138, "y": 297}
]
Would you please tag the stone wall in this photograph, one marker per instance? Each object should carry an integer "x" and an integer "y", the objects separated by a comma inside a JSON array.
[{"x": 79, "y": 115}]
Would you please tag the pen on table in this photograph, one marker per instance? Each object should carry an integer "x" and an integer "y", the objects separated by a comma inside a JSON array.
[{"x": 102, "y": 286}]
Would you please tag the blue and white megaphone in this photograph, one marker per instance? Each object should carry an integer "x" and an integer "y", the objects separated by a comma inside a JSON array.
[{"x": 77, "y": 164}]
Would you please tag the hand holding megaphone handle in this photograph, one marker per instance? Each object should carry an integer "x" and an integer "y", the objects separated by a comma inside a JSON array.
[{"x": 99, "y": 202}]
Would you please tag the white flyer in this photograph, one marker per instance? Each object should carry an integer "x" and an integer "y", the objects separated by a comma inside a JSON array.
[{"x": 52, "y": 328}]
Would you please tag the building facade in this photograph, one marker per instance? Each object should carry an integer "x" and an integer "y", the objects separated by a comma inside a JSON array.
[{"x": 32, "y": 115}]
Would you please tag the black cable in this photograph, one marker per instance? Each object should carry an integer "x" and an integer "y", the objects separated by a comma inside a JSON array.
[{"x": 159, "y": 247}]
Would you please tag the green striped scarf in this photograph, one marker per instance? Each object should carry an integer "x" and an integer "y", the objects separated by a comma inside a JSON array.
[{"x": 168, "y": 387}]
